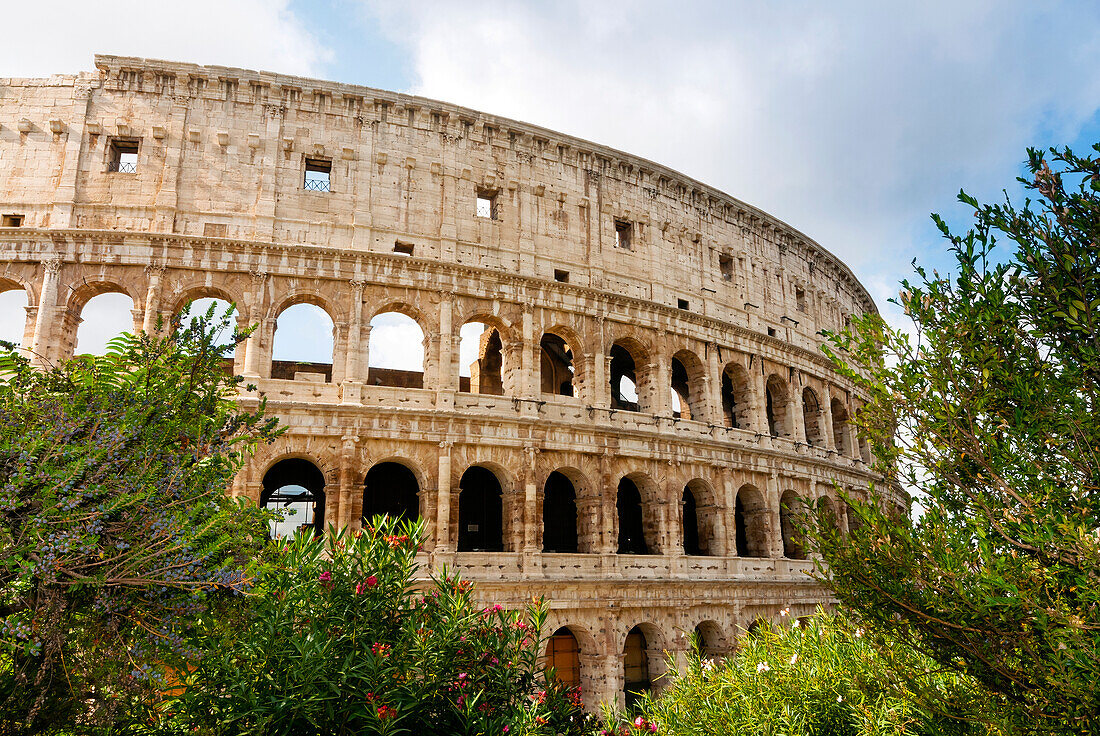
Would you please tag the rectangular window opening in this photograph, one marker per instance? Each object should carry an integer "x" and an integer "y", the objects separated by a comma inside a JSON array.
[
  {"x": 623, "y": 232},
  {"x": 725, "y": 265},
  {"x": 405, "y": 249},
  {"x": 123, "y": 154},
  {"x": 12, "y": 221},
  {"x": 800, "y": 299},
  {"x": 318, "y": 175},
  {"x": 486, "y": 204},
  {"x": 771, "y": 332},
  {"x": 682, "y": 303},
  {"x": 562, "y": 276}
]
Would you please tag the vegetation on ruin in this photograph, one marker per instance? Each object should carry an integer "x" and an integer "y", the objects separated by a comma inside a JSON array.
[
  {"x": 987, "y": 411},
  {"x": 115, "y": 526},
  {"x": 823, "y": 675}
]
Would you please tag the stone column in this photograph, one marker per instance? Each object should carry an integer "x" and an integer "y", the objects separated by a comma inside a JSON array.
[
  {"x": 46, "y": 325},
  {"x": 662, "y": 387},
  {"x": 531, "y": 522},
  {"x": 353, "y": 378},
  {"x": 447, "y": 383},
  {"x": 797, "y": 418},
  {"x": 253, "y": 345},
  {"x": 152, "y": 299},
  {"x": 827, "y": 413},
  {"x": 443, "y": 541},
  {"x": 714, "y": 387},
  {"x": 345, "y": 512},
  {"x": 775, "y": 531},
  {"x": 528, "y": 384},
  {"x": 759, "y": 408}
]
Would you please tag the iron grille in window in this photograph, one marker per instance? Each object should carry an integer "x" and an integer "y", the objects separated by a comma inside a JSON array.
[
  {"x": 123, "y": 156},
  {"x": 318, "y": 175}
]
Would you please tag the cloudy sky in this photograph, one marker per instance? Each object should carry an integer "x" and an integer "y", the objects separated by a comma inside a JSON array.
[{"x": 851, "y": 121}]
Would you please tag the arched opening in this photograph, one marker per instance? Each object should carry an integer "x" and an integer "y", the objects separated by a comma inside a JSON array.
[
  {"x": 688, "y": 396},
  {"x": 103, "y": 318},
  {"x": 301, "y": 349},
  {"x": 861, "y": 438},
  {"x": 776, "y": 407},
  {"x": 481, "y": 359},
  {"x": 691, "y": 524},
  {"x": 632, "y": 539},
  {"x": 840, "y": 427},
  {"x": 480, "y": 511},
  {"x": 559, "y": 515},
  {"x": 855, "y": 523},
  {"x": 295, "y": 487},
  {"x": 223, "y": 338},
  {"x": 396, "y": 351},
  {"x": 791, "y": 516},
  {"x": 624, "y": 380},
  {"x": 811, "y": 415},
  {"x": 563, "y": 657},
  {"x": 636, "y": 679},
  {"x": 708, "y": 640},
  {"x": 556, "y": 365},
  {"x": 735, "y": 397},
  {"x": 391, "y": 489},
  {"x": 751, "y": 520},
  {"x": 13, "y": 314},
  {"x": 827, "y": 510}
]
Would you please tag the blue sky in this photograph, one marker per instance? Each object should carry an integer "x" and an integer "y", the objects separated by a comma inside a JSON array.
[{"x": 851, "y": 121}]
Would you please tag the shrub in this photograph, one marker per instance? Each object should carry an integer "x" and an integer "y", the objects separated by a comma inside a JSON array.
[
  {"x": 821, "y": 677},
  {"x": 338, "y": 639}
]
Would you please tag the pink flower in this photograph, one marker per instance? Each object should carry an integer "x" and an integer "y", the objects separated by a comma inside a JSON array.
[
  {"x": 372, "y": 581},
  {"x": 639, "y": 722},
  {"x": 462, "y": 675},
  {"x": 326, "y": 577}
]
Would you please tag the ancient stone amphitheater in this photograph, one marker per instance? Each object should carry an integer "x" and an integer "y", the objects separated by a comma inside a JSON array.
[{"x": 646, "y": 402}]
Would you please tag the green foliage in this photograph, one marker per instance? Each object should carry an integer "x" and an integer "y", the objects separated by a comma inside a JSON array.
[
  {"x": 338, "y": 639},
  {"x": 115, "y": 528},
  {"x": 824, "y": 677},
  {"x": 994, "y": 399}
]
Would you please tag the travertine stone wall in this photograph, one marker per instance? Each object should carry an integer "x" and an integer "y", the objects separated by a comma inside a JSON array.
[{"x": 217, "y": 207}]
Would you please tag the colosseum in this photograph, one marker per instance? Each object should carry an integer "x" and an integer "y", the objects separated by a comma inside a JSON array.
[{"x": 619, "y": 396}]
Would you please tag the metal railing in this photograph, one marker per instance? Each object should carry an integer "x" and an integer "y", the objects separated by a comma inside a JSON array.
[
  {"x": 122, "y": 167},
  {"x": 316, "y": 185}
]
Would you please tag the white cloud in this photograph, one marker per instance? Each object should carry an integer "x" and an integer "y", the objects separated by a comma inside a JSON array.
[
  {"x": 13, "y": 315},
  {"x": 61, "y": 37},
  {"x": 303, "y": 333},
  {"x": 849, "y": 120},
  {"x": 396, "y": 342},
  {"x": 102, "y": 319}
]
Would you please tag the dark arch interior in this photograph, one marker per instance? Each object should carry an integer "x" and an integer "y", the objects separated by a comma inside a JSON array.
[
  {"x": 691, "y": 525},
  {"x": 707, "y": 639},
  {"x": 776, "y": 408},
  {"x": 391, "y": 489},
  {"x": 559, "y": 515},
  {"x": 729, "y": 401},
  {"x": 563, "y": 655},
  {"x": 296, "y": 487},
  {"x": 557, "y": 366},
  {"x": 680, "y": 387},
  {"x": 631, "y": 527},
  {"x": 480, "y": 512},
  {"x": 622, "y": 366},
  {"x": 791, "y": 510},
  {"x": 635, "y": 666},
  {"x": 750, "y": 522}
]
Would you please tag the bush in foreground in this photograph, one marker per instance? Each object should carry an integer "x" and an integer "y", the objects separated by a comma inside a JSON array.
[
  {"x": 822, "y": 677},
  {"x": 337, "y": 639}
]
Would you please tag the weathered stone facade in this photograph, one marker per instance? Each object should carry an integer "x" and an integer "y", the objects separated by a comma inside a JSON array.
[{"x": 634, "y": 268}]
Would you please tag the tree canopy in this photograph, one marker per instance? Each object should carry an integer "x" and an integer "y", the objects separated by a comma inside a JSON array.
[{"x": 987, "y": 411}]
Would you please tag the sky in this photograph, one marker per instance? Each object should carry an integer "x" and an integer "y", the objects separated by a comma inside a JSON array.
[{"x": 850, "y": 121}]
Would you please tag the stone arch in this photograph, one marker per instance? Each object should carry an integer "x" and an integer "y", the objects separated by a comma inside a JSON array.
[
  {"x": 828, "y": 509},
  {"x": 290, "y": 358},
  {"x": 104, "y": 327},
  {"x": 560, "y": 362},
  {"x": 560, "y": 528},
  {"x": 588, "y": 656},
  {"x": 736, "y": 397},
  {"x": 792, "y": 509},
  {"x": 751, "y": 521},
  {"x": 587, "y": 498},
  {"x": 643, "y": 648},
  {"x": 812, "y": 415},
  {"x": 392, "y": 487},
  {"x": 296, "y": 483},
  {"x": 700, "y": 509},
  {"x": 841, "y": 439},
  {"x": 481, "y": 510},
  {"x": 16, "y": 299},
  {"x": 863, "y": 445},
  {"x": 491, "y": 370},
  {"x": 710, "y": 640},
  {"x": 688, "y": 384},
  {"x": 397, "y": 355},
  {"x": 194, "y": 292},
  {"x": 637, "y": 520},
  {"x": 777, "y": 407},
  {"x": 630, "y": 360}
]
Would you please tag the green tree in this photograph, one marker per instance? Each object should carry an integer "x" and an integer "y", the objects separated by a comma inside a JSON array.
[
  {"x": 115, "y": 526},
  {"x": 339, "y": 638},
  {"x": 988, "y": 413}
]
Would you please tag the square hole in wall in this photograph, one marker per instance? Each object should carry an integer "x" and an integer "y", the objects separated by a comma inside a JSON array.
[
  {"x": 404, "y": 249},
  {"x": 318, "y": 177},
  {"x": 800, "y": 299},
  {"x": 725, "y": 265},
  {"x": 624, "y": 232},
  {"x": 486, "y": 204},
  {"x": 122, "y": 155},
  {"x": 11, "y": 221},
  {"x": 682, "y": 303},
  {"x": 771, "y": 332},
  {"x": 562, "y": 276}
]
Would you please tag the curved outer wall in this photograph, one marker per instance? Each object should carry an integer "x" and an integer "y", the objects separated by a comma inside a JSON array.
[{"x": 217, "y": 207}]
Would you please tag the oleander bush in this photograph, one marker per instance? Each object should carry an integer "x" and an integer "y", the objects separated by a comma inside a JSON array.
[
  {"x": 826, "y": 676},
  {"x": 337, "y": 638}
]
